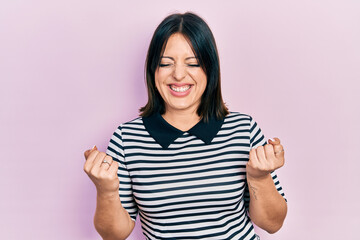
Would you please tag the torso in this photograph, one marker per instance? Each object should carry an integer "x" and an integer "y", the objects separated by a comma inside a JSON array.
[{"x": 190, "y": 190}]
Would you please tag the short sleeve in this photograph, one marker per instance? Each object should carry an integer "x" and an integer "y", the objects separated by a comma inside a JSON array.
[
  {"x": 257, "y": 139},
  {"x": 115, "y": 149}
]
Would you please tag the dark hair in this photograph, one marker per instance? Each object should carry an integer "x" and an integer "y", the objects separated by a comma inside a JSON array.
[{"x": 200, "y": 37}]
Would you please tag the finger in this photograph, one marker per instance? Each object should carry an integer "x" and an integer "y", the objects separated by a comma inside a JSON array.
[
  {"x": 279, "y": 155},
  {"x": 92, "y": 156},
  {"x": 269, "y": 151},
  {"x": 98, "y": 160},
  {"x": 114, "y": 167},
  {"x": 260, "y": 152},
  {"x": 95, "y": 164},
  {"x": 105, "y": 166},
  {"x": 274, "y": 141},
  {"x": 87, "y": 152},
  {"x": 279, "y": 150},
  {"x": 253, "y": 157},
  {"x": 90, "y": 160}
]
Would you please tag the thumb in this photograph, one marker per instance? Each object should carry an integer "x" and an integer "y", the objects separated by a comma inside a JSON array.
[
  {"x": 274, "y": 141},
  {"x": 87, "y": 152}
]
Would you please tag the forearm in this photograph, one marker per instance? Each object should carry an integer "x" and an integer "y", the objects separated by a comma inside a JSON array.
[
  {"x": 267, "y": 207},
  {"x": 111, "y": 220}
]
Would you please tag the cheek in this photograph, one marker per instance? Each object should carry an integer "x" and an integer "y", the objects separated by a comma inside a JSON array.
[
  {"x": 199, "y": 75},
  {"x": 160, "y": 76},
  {"x": 202, "y": 81}
]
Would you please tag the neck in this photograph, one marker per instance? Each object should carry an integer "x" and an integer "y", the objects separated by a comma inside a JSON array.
[{"x": 183, "y": 120}]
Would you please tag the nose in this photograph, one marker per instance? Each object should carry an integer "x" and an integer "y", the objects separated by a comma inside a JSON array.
[{"x": 179, "y": 72}]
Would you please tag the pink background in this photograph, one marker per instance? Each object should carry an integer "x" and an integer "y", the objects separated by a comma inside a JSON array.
[{"x": 72, "y": 71}]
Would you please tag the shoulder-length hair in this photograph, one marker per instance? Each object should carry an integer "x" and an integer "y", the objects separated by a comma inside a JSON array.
[{"x": 198, "y": 34}]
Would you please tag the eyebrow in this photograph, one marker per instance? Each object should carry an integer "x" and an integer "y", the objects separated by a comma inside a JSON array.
[{"x": 174, "y": 59}]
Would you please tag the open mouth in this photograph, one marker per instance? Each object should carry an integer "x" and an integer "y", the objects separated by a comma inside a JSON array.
[{"x": 180, "y": 89}]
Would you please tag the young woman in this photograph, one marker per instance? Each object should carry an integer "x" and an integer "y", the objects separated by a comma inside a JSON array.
[{"x": 190, "y": 168}]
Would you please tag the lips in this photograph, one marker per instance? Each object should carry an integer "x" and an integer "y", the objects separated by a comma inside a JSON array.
[{"x": 182, "y": 88}]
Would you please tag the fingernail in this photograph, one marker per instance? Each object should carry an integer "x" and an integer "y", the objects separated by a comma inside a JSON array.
[
  {"x": 93, "y": 147},
  {"x": 272, "y": 139}
]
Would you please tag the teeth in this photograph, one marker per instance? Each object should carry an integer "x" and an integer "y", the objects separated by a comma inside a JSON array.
[{"x": 180, "y": 89}]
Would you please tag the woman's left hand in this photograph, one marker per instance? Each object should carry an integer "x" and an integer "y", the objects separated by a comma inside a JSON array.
[{"x": 265, "y": 159}]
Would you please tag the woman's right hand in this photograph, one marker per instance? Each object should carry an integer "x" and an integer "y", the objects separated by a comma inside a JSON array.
[{"x": 103, "y": 175}]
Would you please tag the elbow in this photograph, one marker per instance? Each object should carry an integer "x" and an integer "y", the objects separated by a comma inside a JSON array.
[
  {"x": 109, "y": 234},
  {"x": 113, "y": 238},
  {"x": 114, "y": 233},
  {"x": 271, "y": 225},
  {"x": 274, "y": 224},
  {"x": 273, "y": 228}
]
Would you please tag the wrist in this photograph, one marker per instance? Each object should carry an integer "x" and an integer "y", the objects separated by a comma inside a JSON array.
[
  {"x": 107, "y": 195},
  {"x": 259, "y": 178}
]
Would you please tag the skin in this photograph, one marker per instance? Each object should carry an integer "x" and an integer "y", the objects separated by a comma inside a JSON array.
[
  {"x": 179, "y": 66},
  {"x": 267, "y": 207},
  {"x": 111, "y": 220}
]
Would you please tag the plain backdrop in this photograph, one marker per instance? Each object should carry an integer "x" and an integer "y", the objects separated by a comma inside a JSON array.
[{"x": 72, "y": 71}]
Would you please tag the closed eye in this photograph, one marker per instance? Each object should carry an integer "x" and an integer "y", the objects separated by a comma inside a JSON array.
[
  {"x": 190, "y": 65},
  {"x": 164, "y": 65}
]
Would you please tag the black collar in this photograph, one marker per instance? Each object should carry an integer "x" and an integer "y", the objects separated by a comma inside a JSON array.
[{"x": 165, "y": 134}]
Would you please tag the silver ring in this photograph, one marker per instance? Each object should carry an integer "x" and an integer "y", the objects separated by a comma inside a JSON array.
[
  {"x": 106, "y": 162},
  {"x": 282, "y": 150}
]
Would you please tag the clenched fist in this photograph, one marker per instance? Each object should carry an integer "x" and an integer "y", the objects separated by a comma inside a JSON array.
[
  {"x": 104, "y": 175},
  {"x": 265, "y": 159}
]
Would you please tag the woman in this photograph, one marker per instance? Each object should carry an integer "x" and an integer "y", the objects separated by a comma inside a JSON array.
[{"x": 190, "y": 168}]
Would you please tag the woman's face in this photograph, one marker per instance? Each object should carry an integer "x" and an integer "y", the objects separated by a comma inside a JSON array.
[{"x": 179, "y": 78}]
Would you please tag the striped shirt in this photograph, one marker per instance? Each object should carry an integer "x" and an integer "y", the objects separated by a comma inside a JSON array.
[{"x": 187, "y": 185}]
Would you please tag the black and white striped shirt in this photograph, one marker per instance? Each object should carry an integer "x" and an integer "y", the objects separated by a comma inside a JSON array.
[{"x": 187, "y": 185}]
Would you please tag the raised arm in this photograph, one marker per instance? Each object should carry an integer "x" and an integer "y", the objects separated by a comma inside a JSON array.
[
  {"x": 111, "y": 220},
  {"x": 267, "y": 207}
]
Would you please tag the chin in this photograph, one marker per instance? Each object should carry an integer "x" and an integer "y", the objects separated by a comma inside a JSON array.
[{"x": 180, "y": 106}]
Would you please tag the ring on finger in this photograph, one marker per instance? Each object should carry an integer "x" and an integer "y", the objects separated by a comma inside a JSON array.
[
  {"x": 282, "y": 150},
  {"x": 104, "y": 161}
]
